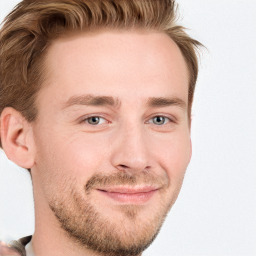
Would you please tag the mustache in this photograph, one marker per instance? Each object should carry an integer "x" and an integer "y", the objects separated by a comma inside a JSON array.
[{"x": 101, "y": 180}]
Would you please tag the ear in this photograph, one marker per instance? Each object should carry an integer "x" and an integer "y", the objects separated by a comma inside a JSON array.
[{"x": 17, "y": 138}]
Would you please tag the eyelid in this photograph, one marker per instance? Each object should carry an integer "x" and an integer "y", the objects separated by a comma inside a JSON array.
[
  {"x": 166, "y": 119},
  {"x": 86, "y": 117},
  {"x": 100, "y": 119},
  {"x": 171, "y": 118}
]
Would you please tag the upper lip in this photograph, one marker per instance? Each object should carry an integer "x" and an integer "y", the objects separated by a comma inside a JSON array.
[{"x": 129, "y": 190}]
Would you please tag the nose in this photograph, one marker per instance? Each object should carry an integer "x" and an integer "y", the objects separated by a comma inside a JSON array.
[{"x": 130, "y": 150}]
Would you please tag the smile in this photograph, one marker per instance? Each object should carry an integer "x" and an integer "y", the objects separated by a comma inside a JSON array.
[{"x": 129, "y": 195}]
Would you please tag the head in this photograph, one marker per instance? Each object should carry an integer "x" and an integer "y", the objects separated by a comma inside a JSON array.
[{"x": 96, "y": 101}]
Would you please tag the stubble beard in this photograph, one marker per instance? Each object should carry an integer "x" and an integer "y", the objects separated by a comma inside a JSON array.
[{"x": 93, "y": 230}]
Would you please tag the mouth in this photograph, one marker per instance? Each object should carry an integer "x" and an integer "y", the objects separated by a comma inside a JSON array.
[{"x": 129, "y": 195}]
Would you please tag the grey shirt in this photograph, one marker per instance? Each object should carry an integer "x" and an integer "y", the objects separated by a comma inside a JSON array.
[{"x": 23, "y": 246}]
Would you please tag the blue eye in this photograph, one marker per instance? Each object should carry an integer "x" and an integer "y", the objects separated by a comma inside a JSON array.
[
  {"x": 160, "y": 120},
  {"x": 94, "y": 120}
]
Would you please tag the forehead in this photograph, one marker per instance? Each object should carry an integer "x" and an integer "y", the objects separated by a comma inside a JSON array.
[{"x": 113, "y": 61}]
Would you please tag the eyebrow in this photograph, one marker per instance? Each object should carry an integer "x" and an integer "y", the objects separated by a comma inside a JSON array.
[
  {"x": 91, "y": 100},
  {"x": 165, "y": 102}
]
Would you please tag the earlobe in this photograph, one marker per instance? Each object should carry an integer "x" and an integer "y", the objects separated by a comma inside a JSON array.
[{"x": 16, "y": 138}]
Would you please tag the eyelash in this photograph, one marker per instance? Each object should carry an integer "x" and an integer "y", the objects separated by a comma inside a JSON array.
[
  {"x": 150, "y": 121},
  {"x": 166, "y": 120},
  {"x": 88, "y": 118}
]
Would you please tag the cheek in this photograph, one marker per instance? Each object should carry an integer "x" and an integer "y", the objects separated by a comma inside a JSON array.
[
  {"x": 174, "y": 155},
  {"x": 77, "y": 155}
]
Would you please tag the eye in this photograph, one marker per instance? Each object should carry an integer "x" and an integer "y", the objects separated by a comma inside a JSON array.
[
  {"x": 95, "y": 120},
  {"x": 160, "y": 120}
]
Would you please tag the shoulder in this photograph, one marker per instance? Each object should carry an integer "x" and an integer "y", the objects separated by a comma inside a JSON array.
[{"x": 20, "y": 244}]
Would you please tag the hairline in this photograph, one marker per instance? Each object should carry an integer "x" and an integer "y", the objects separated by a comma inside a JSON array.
[{"x": 68, "y": 34}]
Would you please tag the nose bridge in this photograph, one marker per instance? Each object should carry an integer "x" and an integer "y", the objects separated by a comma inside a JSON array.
[{"x": 131, "y": 148}]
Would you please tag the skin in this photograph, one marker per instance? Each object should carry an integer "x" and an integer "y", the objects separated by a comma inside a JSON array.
[
  {"x": 65, "y": 150},
  {"x": 6, "y": 251}
]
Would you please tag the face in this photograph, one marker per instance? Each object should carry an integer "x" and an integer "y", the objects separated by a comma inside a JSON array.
[{"x": 112, "y": 137}]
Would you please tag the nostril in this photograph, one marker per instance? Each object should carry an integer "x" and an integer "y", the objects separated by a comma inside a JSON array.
[
  {"x": 123, "y": 166},
  {"x": 126, "y": 168}
]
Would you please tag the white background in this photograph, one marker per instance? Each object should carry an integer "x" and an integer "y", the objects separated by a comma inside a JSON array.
[{"x": 215, "y": 214}]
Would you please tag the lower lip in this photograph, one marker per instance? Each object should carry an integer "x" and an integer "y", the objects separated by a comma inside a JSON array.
[{"x": 131, "y": 198}]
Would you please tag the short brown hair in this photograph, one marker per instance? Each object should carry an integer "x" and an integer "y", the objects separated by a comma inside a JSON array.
[{"x": 30, "y": 28}]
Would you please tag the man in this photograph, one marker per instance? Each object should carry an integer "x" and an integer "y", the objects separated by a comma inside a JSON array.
[{"x": 96, "y": 103}]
